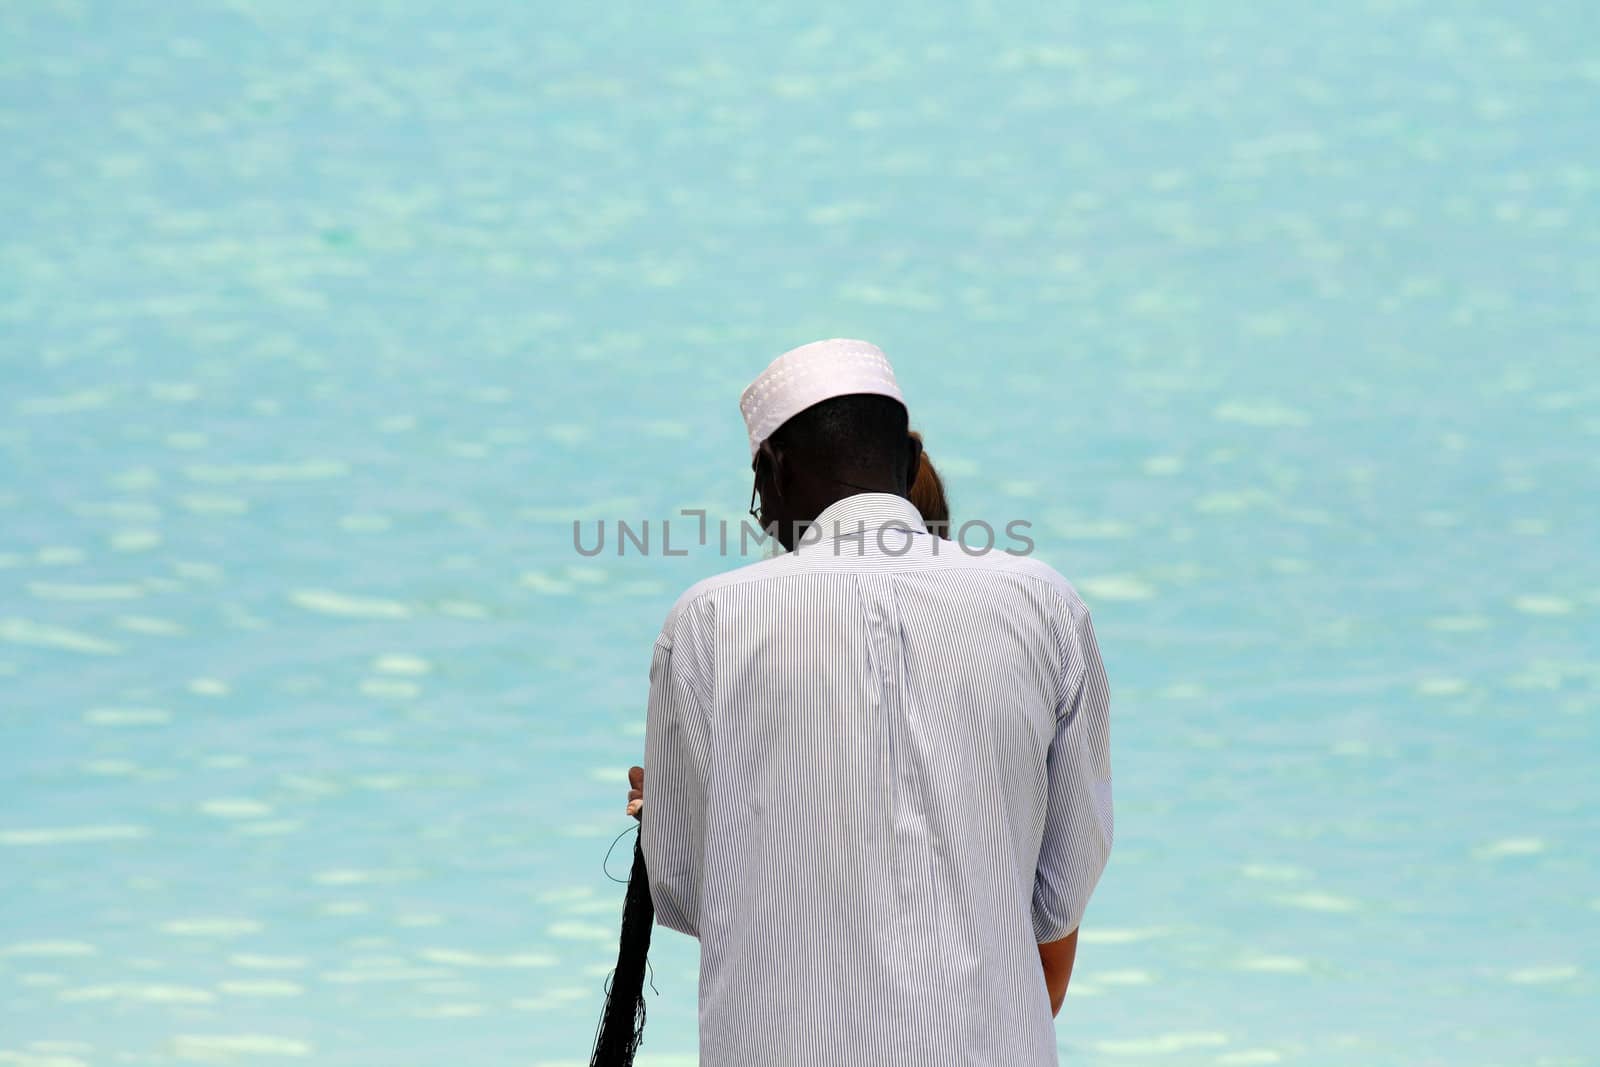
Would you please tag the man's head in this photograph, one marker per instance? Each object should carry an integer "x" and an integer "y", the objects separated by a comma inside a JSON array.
[
  {"x": 826, "y": 420},
  {"x": 844, "y": 445}
]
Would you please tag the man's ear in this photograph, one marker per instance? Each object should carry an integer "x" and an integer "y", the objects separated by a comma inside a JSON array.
[
  {"x": 777, "y": 472},
  {"x": 914, "y": 459}
]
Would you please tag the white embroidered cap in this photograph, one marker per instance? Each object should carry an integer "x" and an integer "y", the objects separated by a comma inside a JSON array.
[{"x": 809, "y": 375}]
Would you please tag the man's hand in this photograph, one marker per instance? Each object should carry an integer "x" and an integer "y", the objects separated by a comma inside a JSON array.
[
  {"x": 1057, "y": 957},
  {"x": 635, "y": 791}
]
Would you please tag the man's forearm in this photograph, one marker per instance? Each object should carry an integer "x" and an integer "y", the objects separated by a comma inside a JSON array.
[{"x": 1056, "y": 958}]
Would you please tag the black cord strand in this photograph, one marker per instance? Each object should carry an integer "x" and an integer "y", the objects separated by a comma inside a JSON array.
[
  {"x": 605, "y": 864},
  {"x": 621, "y": 1028}
]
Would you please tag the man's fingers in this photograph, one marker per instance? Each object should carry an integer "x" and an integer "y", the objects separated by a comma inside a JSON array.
[{"x": 636, "y": 792}]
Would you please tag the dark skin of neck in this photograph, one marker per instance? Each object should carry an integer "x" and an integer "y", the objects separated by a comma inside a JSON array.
[{"x": 794, "y": 492}]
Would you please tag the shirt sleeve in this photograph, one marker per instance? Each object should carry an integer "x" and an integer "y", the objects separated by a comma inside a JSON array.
[
  {"x": 1078, "y": 825},
  {"x": 676, "y": 755}
]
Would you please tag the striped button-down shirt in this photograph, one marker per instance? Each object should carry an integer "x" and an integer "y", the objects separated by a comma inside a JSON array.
[{"x": 877, "y": 775}]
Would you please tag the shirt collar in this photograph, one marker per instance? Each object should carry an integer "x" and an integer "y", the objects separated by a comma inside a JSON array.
[{"x": 867, "y": 511}]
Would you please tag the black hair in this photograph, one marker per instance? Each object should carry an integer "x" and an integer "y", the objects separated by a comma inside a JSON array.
[{"x": 857, "y": 434}]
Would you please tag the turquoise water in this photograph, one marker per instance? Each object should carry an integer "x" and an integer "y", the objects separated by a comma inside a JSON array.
[{"x": 320, "y": 324}]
